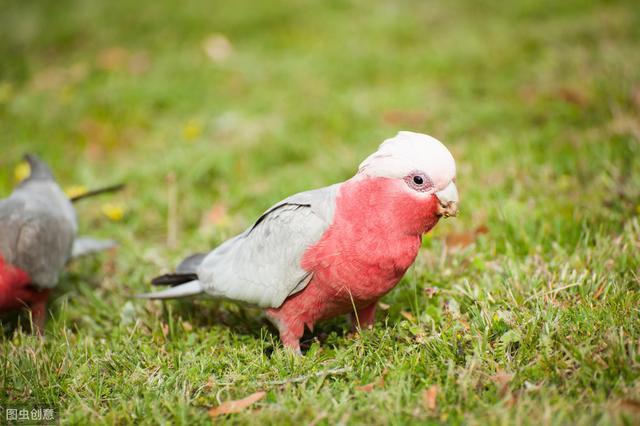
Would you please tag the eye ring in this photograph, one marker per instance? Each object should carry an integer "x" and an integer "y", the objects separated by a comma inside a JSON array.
[{"x": 418, "y": 181}]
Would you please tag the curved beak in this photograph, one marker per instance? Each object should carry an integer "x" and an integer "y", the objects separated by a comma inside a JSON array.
[{"x": 448, "y": 200}]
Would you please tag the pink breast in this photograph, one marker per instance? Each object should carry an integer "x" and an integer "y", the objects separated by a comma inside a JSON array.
[
  {"x": 375, "y": 237},
  {"x": 13, "y": 287}
]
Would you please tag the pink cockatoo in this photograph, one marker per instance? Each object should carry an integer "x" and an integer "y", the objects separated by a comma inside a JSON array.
[
  {"x": 333, "y": 250},
  {"x": 38, "y": 227}
]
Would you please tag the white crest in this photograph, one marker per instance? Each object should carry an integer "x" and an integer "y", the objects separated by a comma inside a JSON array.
[{"x": 407, "y": 152}]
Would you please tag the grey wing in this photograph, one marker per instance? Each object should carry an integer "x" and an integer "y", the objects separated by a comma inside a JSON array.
[
  {"x": 262, "y": 266},
  {"x": 10, "y": 216},
  {"x": 35, "y": 241}
]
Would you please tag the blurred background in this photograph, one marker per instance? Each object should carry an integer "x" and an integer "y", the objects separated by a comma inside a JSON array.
[
  {"x": 246, "y": 102},
  {"x": 211, "y": 111}
]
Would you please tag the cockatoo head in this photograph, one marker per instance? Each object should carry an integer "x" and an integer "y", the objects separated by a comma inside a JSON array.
[{"x": 423, "y": 163}]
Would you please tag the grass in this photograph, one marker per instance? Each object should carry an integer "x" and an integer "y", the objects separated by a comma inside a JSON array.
[{"x": 534, "y": 322}]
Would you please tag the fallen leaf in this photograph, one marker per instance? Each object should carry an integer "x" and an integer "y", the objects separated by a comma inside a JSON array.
[
  {"x": 482, "y": 229},
  {"x": 101, "y": 136},
  {"x": 502, "y": 380},
  {"x": 635, "y": 96},
  {"x": 624, "y": 123},
  {"x": 112, "y": 58},
  {"x": 599, "y": 290},
  {"x": 460, "y": 240},
  {"x": 139, "y": 63},
  {"x": 54, "y": 78},
  {"x": 187, "y": 326},
  {"x": 217, "y": 215},
  {"x": 429, "y": 398},
  {"x": 528, "y": 93},
  {"x": 366, "y": 388},
  {"x": 464, "y": 239},
  {"x": 408, "y": 315},
  {"x": 236, "y": 406},
  {"x": 217, "y": 47},
  {"x": 464, "y": 323},
  {"x": 370, "y": 386},
  {"x": 121, "y": 59},
  {"x": 431, "y": 291},
  {"x": 572, "y": 96},
  {"x": 383, "y": 306},
  {"x": 632, "y": 405},
  {"x": 408, "y": 118},
  {"x": 109, "y": 264}
]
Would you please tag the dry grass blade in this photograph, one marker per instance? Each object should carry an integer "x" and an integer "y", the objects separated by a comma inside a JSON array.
[
  {"x": 408, "y": 315},
  {"x": 298, "y": 379}
]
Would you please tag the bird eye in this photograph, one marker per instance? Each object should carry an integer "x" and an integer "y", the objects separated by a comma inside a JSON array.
[{"x": 419, "y": 181}]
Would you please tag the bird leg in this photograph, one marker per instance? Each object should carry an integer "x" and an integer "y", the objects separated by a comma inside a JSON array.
[
  {"x": 364, "y": 317},
  {"x": 290, "y": 330},
  {"x": 18, "y": 293},
  {"x": 39, "y": 316}
]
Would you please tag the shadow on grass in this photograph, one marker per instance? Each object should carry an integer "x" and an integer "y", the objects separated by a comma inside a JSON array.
[{"x": 247, "y": 321}]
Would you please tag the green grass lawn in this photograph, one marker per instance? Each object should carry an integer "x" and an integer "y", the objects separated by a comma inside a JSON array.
[{"x": 535, "y": 321}]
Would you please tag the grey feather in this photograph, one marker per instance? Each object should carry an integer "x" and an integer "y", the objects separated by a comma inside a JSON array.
[
  {"x": 38, "y": 169},
  {"x": 37, "y": 227},
  {"x": 83, "y": 246},
  {"x": 262, "y": 266},
  {"x": 191, "y": 288},
  {"x": 190, "y": 264}
]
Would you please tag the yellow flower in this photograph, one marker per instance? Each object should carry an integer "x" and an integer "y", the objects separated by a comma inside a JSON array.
[
  {"x": 22, "y": 171},
  {"x": 192, "y": 130},
  {"x": 113, "y": 211},
  {"x": 564, "y": 182},
  {"x": 6, "y": 91},
  {"x": 75, "y": 190}
]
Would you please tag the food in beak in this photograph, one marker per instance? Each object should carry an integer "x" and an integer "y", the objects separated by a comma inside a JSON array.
[{"x": 448, "y": 200}]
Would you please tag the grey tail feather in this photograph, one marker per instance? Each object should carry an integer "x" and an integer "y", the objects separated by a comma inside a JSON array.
[
  {"x": 190, "y": 264},
  {"x": 190, "y": 288},
  {"x": 174, "y": 279},
  {"x": 99, "y": 191},
  {"x": 86, "y": 245},
  {"x": 39, "y": 169}
]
